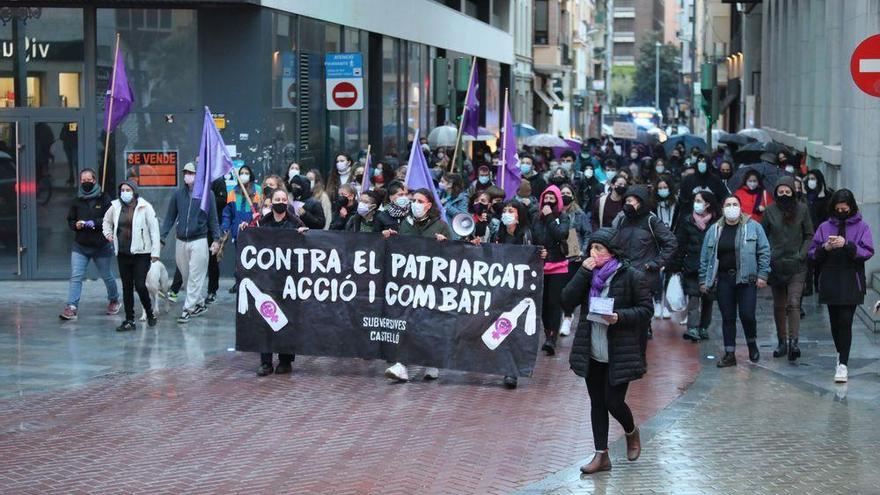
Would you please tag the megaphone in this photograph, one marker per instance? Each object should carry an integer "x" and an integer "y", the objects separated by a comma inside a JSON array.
[{"x": 463, "y": 225}]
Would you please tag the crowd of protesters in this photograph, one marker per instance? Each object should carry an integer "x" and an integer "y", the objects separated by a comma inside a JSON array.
[{"x": 615, "y": 220}]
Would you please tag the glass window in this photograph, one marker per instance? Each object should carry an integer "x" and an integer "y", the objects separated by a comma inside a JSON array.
[
  {"x": 53, "y": 47},
  {"x": 541, "y": 22},
  {"x": 493, "y": 95},
  {"x": 413, "y": 91},
  {"x": 390, "y": 97}
]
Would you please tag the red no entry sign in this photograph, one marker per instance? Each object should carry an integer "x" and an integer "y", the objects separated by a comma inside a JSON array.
[
  {"x": 345, "y": 94},
  {"x": 865, "y": 65}
]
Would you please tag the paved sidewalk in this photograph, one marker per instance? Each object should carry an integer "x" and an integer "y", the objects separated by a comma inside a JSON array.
[{"x": 169, "y": 410}]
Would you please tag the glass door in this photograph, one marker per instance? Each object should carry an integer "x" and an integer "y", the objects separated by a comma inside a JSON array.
[{"x": 12, "y": 143}]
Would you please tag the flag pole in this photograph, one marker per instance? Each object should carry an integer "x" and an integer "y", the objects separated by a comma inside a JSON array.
[
  {"x": 504, "y": 141},
  {"x": 463, "y": 110},
  {"x": 109, "y": 114}
]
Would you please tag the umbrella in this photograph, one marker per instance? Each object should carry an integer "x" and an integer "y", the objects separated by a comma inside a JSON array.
[
  {"x": 770, "y": 175},
  {"x": 442, "y": 136},
  {"x": 545, "y": 141},
  {"x": 687, "y": 140},
  {"x": 734, "y": 139},
  {"x": 751, "y": 152},
  {"x": 573, "y": 144},
  {"x": 524, "y": 130},
  {"x": 758, "y": 134},
  {"x": 659, "y": 134},
  {"x": 483, "y": 134}
]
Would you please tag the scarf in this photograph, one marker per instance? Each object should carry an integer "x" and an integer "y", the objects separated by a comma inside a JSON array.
[
  {"x": 397, "y": 211},
  {"x": 96, "y": 191},
  {"x": 702, "y": 221},
  {"x": 601, "y": 276}
]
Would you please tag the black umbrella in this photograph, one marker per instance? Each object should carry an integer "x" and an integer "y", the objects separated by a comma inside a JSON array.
[
  {"x": 769, "y": 175},
  {"x": 751, "y": 153},
  {"x": 736, "y": 139}
]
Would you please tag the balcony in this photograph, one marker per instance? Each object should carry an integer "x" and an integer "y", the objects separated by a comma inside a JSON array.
[
  {"x": 549, "y": 59},
  {"x": 624, "y": 37}
]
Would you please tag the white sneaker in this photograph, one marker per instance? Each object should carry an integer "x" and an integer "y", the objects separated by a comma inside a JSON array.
[
  {"x": 565, "y": 330},
  {"x": 397, "y": 372},
  {"x": 666, "y": 314},
  {"x": 841, "y": 374},
  {"x": 432, "y": 373},
  {"x": 656, "y": 310},
  {"x": 684, "y": 321}
]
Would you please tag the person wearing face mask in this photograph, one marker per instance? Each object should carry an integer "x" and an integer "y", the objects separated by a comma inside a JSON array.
[
  {"x": 346, "y": 206},
  {"x": 646, "y": 241},
  {"x": 789, "y": 229},
  {"x": 453, "y": 196},
  {"x": 588, "y": 159},
  {"x": 674, "y": 163},
  {"x": 578, "y": 235},
  {"x": 785, "y": 164},
  {"x": 367, "y": 208},
  {"x": 725, "y": 171},
  {"x": 527, "y": 170},
  {"x": 524, "y": 195},
  {"x": 479, "y": 206},
  {"x": 753, "y": 197},
  {"x": 634, "y": 163},
  {"x": 483, "y": 181},
  {"x": 304, "y": 205},
  {"x": 606, "y": 353},
  {"x": 319, "y": 194},
  {"x": 550, "y": 230},
  {"x": 238, "y": 209},
  {"x": 734, "y": 264},
  {"x": 423, "y": 221},
  {"x": 704, "y": 177},
  {"x": 130, "y": 224},
  {"x": 191, "y": 248},
  {"x": 278, "y": 218},
  {"x": 818, "y": 197},
  {"x": 841, "y": 246},
  {"x": 567, "y": 161},
  {"x": 85, "y": 218},
  {"x": 590, "y": 188},
  {"x": 606, "y": 207},
  {"x": 657, "y": 170},
  {"x": 666, "y": 209},
  {"x": 340, "y": 174},
  {"x": 396, "y": 209},
  {"x": 690, "y": 232}
]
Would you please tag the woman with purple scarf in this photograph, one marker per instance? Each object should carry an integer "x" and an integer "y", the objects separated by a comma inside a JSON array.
[
  {"x": 607, "y": 349},
  {"x": 841, "y": 246}
]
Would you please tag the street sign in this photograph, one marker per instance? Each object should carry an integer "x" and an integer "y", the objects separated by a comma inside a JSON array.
[
  {"x": 344, "y": 74},
  {"x": 865, "y": 65},
  {"x": 625, "y": 130}
]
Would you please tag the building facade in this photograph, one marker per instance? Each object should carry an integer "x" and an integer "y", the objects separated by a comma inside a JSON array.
[
  {"x": 633, "y": 21},
  {"x": 258, "y": 65}
]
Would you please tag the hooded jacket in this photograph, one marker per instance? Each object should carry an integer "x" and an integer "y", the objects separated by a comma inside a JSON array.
[
  {"x": 144, "y": 225},
  {"x": 645, "y": 240},
  {"x": 789, "y": 240},
  {"x": 633, "y": 305},
  {"x": 819, "y": 200},
  {"x": 192, "y": 222},
  {"x": 551, "y": 231},
  {"x": 842, "y": 271},
  {"x": 88, "y": 208}
]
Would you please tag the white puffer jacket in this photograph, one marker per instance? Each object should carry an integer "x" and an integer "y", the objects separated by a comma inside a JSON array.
[{"x": 144, "y": 228}]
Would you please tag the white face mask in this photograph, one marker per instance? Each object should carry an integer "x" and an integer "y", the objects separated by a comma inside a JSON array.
[
  {"x": 342, "y": 166},
  {"x": 812, "y": 184},
  {"x": 633, "y": 155},
  {"x": 418, "y": 209},
  {"x": 731, "y": 212},
  {"x": 789, "y": 169},
  {"x": 699, "y": 208},
  {"x": 292, "y": 173},
  {"x": 588, "y": 173},
  {"x": 188, "y": 179},
  {"x": 752, "y": 185},
  {"x": 508, "y": 219},
  {"x": 126, "y": 196},
  {"x": 245, "y": 178}
]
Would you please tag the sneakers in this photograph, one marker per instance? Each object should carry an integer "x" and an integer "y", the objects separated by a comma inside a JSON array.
[
  {"x": 665, "y": 313},
  {"x": 729, "y": 359},
  {"x": 172, "y": 296},
  {"x": 692, "y": 334},
  {"x": 432, "y": 373},
  {"x": 684, "y": 321},
  {"x": 126, "y": 326},
  {"x": 510, "y": 382},
  {"x": 565, "y": 330},
  {"x": 265, "y": 370},
  {"x": 184, "y": 317},
  {"x": 199, "y": 309},
  {"x": 549, "y": 346},
  {"x": 704, "y": 333},
  {"x": 151, "y": 320},
  {"x": 211, "y": 298},
  {"x": 283, "y": 368},
  {"x": 398, "y": 372},
  {"x": 69, "y": 313},
  {"x": 841, "y": 374},
  {"x": 113, "y": 307},
  {"x": 657, "y": 310}
]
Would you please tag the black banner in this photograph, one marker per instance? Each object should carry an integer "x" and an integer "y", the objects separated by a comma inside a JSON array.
[{"x": 448, "y": 305}]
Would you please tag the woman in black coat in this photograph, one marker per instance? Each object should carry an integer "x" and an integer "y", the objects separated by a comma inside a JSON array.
[
  {"x": 608, "y": 354},
  {"x": 690, "y": 232},
  {"x": 550, "y": 233}
]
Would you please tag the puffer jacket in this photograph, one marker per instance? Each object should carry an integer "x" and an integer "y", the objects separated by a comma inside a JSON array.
[
  {"x": 144, "y": 228},
  {"x": 645, "y": 240},
  {"x": 752, "y": 253},
  {"x": 842, "y": 271},
  {"x": 633, "y": 305},
  {"x": 687, "y": 259}
]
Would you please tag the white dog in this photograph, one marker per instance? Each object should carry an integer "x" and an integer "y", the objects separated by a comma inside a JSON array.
[{"x": 157, "y": 282}]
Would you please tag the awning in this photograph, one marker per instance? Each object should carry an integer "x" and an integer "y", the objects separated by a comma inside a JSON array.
[{"x": 543, "y": 96}]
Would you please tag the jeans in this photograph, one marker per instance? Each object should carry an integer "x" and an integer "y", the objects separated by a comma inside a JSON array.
[
  {"x": 841, "y": 329},
  {"x": 604, "y": 399},
  {"x": 551, "y": 309},
  {"x": 787, "y": 306},
  {"x": 192, "y": 261},
  {"x": 79, "y": 262},
  {"x": 733, "y": 297},
  {"x": 699, "y": 312},
  {"x": 133, "y": 270}
]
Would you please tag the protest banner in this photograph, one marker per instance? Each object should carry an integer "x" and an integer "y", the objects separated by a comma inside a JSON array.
[{"x": 414, "y": 300}]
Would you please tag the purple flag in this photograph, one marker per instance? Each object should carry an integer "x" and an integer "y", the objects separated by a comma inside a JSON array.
[
  {"x": 214, "y": 161},
  {"x": 471, "y": 119},
  {"x": 418, "y": 175},
  {"x": 365, "y": 183},
  {"x": 120, "y": 93},
  {"x": 509, "y": 174}
]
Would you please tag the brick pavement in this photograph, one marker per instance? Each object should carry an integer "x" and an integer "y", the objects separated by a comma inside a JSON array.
[{"x": 334, "y": 426}]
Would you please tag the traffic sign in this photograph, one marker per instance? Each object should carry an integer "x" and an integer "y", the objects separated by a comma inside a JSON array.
[
  {"x": 865, "y": 65},
  {"x": 344, "y": 75}
]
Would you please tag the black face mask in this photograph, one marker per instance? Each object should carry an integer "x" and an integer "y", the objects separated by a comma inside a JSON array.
[
  {"x": 88, "y": 186},
  {"x": 279, "y": 207},
  {"x": 479, "y": 208},
  {"x": 785, "y": 202},
  {"x": 620, "y": 190},
  {"x": 498, "y": 208},
  {"x": 557, "y": 181},
  {"x": 567, "y": 200},
  {"x": 726, "y": 175},
  {"x": 841, "y": 215},
  {"x": 629, "y": 210},
  {"x": 341, "y": 202}
]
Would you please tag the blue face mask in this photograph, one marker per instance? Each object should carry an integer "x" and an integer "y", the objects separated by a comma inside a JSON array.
[
  {"x": 525, "y": 168},
  {"x": 484, "y": 179},
  {"x": 701, "y": 167},
  {"x": 126, "y": 196},
  {"x": 663, "y": 193}
]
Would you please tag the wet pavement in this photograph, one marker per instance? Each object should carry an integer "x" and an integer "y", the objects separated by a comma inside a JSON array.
[{"x": 172, "y": 409}]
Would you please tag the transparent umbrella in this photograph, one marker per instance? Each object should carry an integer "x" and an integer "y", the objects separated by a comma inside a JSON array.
[
  {"x": 759, "y": 134},
  {"x": 545, "y": 141},
  {"x": 442, "y": 136}
]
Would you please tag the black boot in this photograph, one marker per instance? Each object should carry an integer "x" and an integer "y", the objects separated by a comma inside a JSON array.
[
  {"x": 754, "y": 353},
  {"x": 729, "y": 359},
  {"x": 550, "y": 346},
  {"x": 781, "y": 349},
  {"x": 794, "y": 351}
]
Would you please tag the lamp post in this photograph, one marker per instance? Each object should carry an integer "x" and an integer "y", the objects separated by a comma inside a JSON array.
[{"x": 657, "y": 46}]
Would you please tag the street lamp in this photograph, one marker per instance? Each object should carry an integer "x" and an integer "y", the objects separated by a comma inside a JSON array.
[{"x": 657, "y": 46}]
